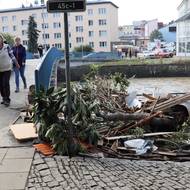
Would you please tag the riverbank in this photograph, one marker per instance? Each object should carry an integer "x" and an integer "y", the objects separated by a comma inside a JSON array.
[{"x": 181, "y": 69}]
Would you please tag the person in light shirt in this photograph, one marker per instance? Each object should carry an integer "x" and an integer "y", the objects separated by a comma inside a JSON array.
[{"x": 7, "y": 61}]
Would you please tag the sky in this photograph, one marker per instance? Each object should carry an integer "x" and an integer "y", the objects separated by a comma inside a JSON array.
[{"x": 129, "y": 10}]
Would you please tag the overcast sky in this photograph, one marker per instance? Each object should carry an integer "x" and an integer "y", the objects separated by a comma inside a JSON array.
[{"x": 129, "y": 10}]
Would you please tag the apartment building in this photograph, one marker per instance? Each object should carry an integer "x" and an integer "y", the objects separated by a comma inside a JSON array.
[
  {"x": 183, "y": 29},
  {"x": 97, "y": 26}
]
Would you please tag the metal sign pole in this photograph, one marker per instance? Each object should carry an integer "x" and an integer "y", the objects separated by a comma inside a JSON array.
[{"x": 68, "y": 79}]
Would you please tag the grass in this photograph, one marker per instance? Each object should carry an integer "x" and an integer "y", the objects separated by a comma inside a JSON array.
[{"x": 136, "y": 61}]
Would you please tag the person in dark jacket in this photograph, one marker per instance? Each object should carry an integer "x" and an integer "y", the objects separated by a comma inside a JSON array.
[
  {"x": 6, "y": 57},
  {"x": 40, "y": 50},
  {"x": 19, "y": 52}
]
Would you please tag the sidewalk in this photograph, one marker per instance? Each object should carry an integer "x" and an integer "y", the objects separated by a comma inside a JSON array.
[
  {"x": 15, "y": 165},
  {"x": 15, "y": 157}
]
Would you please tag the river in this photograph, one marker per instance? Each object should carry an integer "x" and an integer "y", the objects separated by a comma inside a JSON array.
[{"x": 160, "y": 85}]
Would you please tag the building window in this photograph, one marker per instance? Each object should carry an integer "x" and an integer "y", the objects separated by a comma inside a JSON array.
[
  {"x": 25, "y": 42},
  {"x": 90, "y": 23},
  {"x": 13, "y": 18},
  {"x": 103, "y": 44},
  {"x": 56, "y": 25},
  {"x": 56, "y": 15},
  {"x": 188, "y": 47},
  {"x": 57, "y": 35},
  {"x": 91, "y": 33},
  {"x": 45, "y": 25},
  {"x": 4, "y": 19},
  {"x": 69, "y": 35},
  {"x": 24, "y": 22},
  {"x": 90, "y": 11},
  {"x": 172, "y": 29},
  {"x": 91, "y": 44},
  {"x": 79, "y": 39},
  {"x": 58, "y": 45},
  {"x": 44, "y": 15},
  {"x": 14, "y": 28},
  {"x": 79, "y": 18},
  {"x": 70, "y": 45},
  {"x": 24, "y": 32},
  {"x": 79, "y": 28},
  {"x": 5, "y": 28},
  {"x": 45, "y": 36},
  {"x": 102, "y": 33},
  {"x": 102, "y": 22},
  {"x": 182, "y": 47},
  {"x": 102, "y": 11}
]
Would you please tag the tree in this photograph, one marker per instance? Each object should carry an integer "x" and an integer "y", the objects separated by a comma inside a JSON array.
[
  {"x": 33, "y": 35},
  {"x": 156, "y": 35},
  {"x": 9, "y": 39},
  {"x": 85, "y": 48}
]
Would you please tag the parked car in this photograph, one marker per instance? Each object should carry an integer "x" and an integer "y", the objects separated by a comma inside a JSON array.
[
  {"x": 165, "y": 54},
  {"x": 146, "y": 55}
]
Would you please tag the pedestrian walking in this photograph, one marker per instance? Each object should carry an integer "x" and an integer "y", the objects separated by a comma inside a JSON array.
[
  {"x": 7, "y": 58},
  {"x": 40, "y": 50},
  {"x": 19, "y": 52},
  {"x": 130, "y": 53}
]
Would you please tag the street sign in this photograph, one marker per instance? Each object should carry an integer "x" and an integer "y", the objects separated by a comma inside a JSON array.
[{"x": 66, "y": 6}]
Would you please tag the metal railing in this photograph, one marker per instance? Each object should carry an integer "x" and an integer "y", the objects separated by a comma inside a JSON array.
[{"x": 43, "y": 72}]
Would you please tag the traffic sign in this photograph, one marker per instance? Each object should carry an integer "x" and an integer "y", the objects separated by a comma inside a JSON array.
[{"x": 66, "y": 6}]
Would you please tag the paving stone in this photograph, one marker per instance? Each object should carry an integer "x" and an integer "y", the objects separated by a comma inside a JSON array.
[
  {"x": 45, "y": 172},
  {"x": 114, "y": 174},
  {"x": 41, "y": 167},
  {"x": 3, "y": 152},
  {"x": 13, "y": 181},
  {"x": 14, "y": 153},
  {"x": 38, "y": 161},
  {"x": 47, "y": 178},
  {"x": 15, "y": 165},
  {"x": 53, "y": 184}
]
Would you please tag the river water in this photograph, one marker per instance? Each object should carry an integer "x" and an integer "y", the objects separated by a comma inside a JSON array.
[{"x": 159, "y": 86}]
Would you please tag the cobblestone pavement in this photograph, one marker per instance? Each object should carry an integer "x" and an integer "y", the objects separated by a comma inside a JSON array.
[{"x": 57, "y": 173}]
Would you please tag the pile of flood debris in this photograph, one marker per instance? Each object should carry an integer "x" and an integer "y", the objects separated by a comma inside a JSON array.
[
  {"x": 151, "y": 128},
  {"x": 132, "y": 126}
]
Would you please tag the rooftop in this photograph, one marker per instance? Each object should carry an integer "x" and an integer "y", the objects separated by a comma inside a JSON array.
[{"x": 39, "y": 7}]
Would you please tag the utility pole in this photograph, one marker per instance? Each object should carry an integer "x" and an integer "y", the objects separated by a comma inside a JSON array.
[
  {"x": 68, "y": 79},
  {"x": 67, "y": 6}
]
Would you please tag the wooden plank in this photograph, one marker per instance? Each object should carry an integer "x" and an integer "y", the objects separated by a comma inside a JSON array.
[
  {"x": 145, "y": 135},
  {"x": 149, "y": 97},
  {"x": 24, "y": 131},
  {"x": 170, "y": 103}
]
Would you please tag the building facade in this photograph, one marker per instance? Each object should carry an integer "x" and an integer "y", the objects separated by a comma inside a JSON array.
[
  {"x": 139, "y": 32},
  {"x": 169, "y": 33},
  {"x": 97, "y": 26},
  {"x": 183, "y": 29}
]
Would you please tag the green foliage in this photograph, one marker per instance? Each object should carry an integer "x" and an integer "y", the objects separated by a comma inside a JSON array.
[
  {"x": 84, "y": 48},
  {"x": 120, "y": 81},
  {"x": 156, "y": 35},
  {"x": 33, "y": 35},
  {"x": 183, "y": 133},
  {"x": 51, "y": 110},
  {"x": 8, "y": 38},
  {"x": 89, "y": 100},
  {"x": 137, "y": 132},
  {"x": 93, "y": 72}
]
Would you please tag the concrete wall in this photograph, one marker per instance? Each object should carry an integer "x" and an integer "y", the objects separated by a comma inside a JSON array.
[{"x": 139, "y": 71}]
